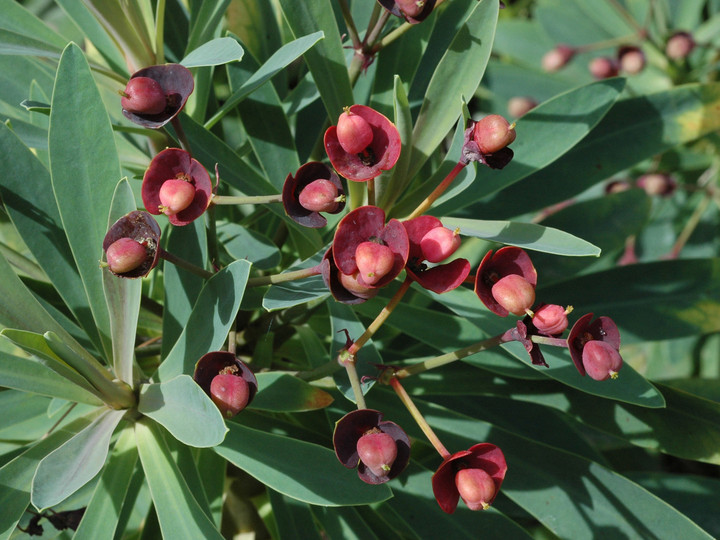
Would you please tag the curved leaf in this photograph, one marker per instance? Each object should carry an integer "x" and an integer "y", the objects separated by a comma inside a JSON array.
[
  {"x": 525, "y": 235},
  {"x": 283, "y": 464},
  {"x": 282, "y": 392},
  {"x": 181, "y": 407},
  {"x": 178, "y": 511},
  {"x": 72, "y": 465},
  {"x": 214, "y": 53}
]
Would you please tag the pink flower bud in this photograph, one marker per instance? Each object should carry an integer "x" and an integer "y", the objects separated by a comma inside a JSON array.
[
  {"x": 439, "y": 243},
  {"x": 493, "y": 133},
  {"x": 378, "y": 452},
  {"x": 603, "y": 67},
  {"x": 519, "y": 105},
  {"x": 679, "y": 46},
  {"x": 374, "y": 261},
  {"x": 476, "y": 488},
  {"x": 143, "y": 95},
  {"x": 230, "y": 393},
  {"x": 514, "y": 293},
  {"x": 601, "y": 360},
  {"x": 125, "y": 255},
  {"x": 353, "y": 132},
  {"x": 319, "y": 196},
  {"x": 550, "y": 319},
  {"x": 556, "y": 58},
  {"x": 631, "y": 59},
  {"x": 175, "y": 196},
  {"x": 351, "y": 283}
]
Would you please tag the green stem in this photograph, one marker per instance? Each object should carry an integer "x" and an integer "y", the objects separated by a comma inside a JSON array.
[
  {"x": 689, "y": 228},
  {"x": 371, "y": 191},
  {"x": 419, "y": 418},
  {"x": 286, "y": 276},
  {"x": 551, "y": 341},
  {"x": 350, "y": 23},
  {"x": 182, "y": 263},
  {"x": 381, "y": 318},
  {"x": 212, "y": 239},
  {"x": 450, "y": 357},
  {"x": 256, "y": 199},
  {"x": 439, "y": 190},
  {"x": 355, "y": 382},
  {"x": 392, "y": 36},
  {"x": 319, "y": 372}
]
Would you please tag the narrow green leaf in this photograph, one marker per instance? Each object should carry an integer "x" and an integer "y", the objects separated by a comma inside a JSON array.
[
  {"x": 294, "y": 293},
  {"x": 293, "y": 519},
  {"x": 103, "y": 511},
  {"x": 35, "y": 344},
  {"x": 525, "y": 235},
  {"x": 282, "y": 464},
  {"x": 281, "y": 392},
  {"x": 639, "y": 128},
  {"x": 72, "y": 465},
  {"x": 468, "y": 54},
  {"x": 32, "y": 375},
  {"x": 181, "y": 407},
  {"x": 215, "y": 312},
  {"x": 85, "y": 170},
  {"x": 326, "y": 61},
  {"x": 214, "y": 53},
  {"x": 16, "y": 18},
  {"x": 243, "y": 243},
  {"x": 12, "y": 43},
  {"x": 178, "y": 511},
  {"x": 17, "y": 475},
  {"x": 122, "y": 296},
  {"x": 285, "y": 55},
  {"x": 27, "y": 192}
]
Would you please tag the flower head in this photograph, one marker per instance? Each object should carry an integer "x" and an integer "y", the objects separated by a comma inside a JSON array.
[
  {"x": 315, "y": 188},
  {"x": 595, "y": 347},
  {"x": 174, "y": 81},
  {"x": 177, "y": 185},
  {"x": 379, "y": 449},
  {"x": 505, "y": 281},
  {"x": 430, "y": 241},
  {"x": 131, "y": 245},
  {"x": 227, "y": 380},
  {"x": 361, "y": 269},
  {"x": 475, "y": 475},
  {"x": 487, "y": 141},
  {"x": 370, "y": 144}
]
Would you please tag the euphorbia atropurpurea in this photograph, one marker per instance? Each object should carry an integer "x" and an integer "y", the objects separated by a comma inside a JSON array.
[{"x": 368, "y": 252}]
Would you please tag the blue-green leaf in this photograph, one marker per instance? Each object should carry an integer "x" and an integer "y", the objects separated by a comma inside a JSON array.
[{"x": 214, "y": 53}]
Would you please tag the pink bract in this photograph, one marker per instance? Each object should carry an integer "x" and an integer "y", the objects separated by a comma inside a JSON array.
[
  {"x": 177, "y": 84},
  {"x": 174, "y": 163},
  {"x": 381, "y": 155}
]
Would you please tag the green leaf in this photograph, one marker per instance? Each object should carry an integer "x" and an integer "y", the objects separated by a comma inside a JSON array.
[
  {"x": 27, "y": 192},
  {"x": 467, "y": 54},
  {"x": 294, "y": 293},
  {"x": 326, "y": 61},
  {"x": 633, "y": 130},
  {"x": 122, "y": 296},
  {"x": 649, "y": 301},
  {"x": 178, "y": 511},
  {"x": 182, "y": 287},
  {"x": 281, "y": 392},
  {"x": 214, "y": 53},
  {"x": 214, "y": 312},
  {"x": 243, "y": 243},
  {"x": 103, "y": 511},
  {"x": 16, "y": 18},
  {"x": 85, "y": 170},
  {"x": 544, "y": 134},
  {"x": 525, "y": 235},
  {"x": 293, "y": 519},
  {"x": 181, "y": 407},
  {"x": 276, "y": 63},
  {"x": 12, "y": 43},
  {"x": 32, "y": 375},
  {"x": 72, "y": 465},
  {"x": 290, "y": 466},
  {"x": 35, "y": 344},
  {"x": 16, "y": 476}
]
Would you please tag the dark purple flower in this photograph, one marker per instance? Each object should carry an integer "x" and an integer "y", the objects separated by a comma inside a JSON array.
[
  {"x": 478, "y": 489},
  {"x": 430, "y": 241},
  {"x": 131, "y": 245},
  {"x": 595, "y": 347},
  {"x": 384, "y": 446},
  {"x": 315, "y": 188},
  {"x": 503, "y": 264},
  {"x": 227, "y": 380},
  {"x": 380, "y": 154},
  {"x": 176, "y": 83},
  {"x": 413, "y": 11},
  {"x": 176, "y": 185}
]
